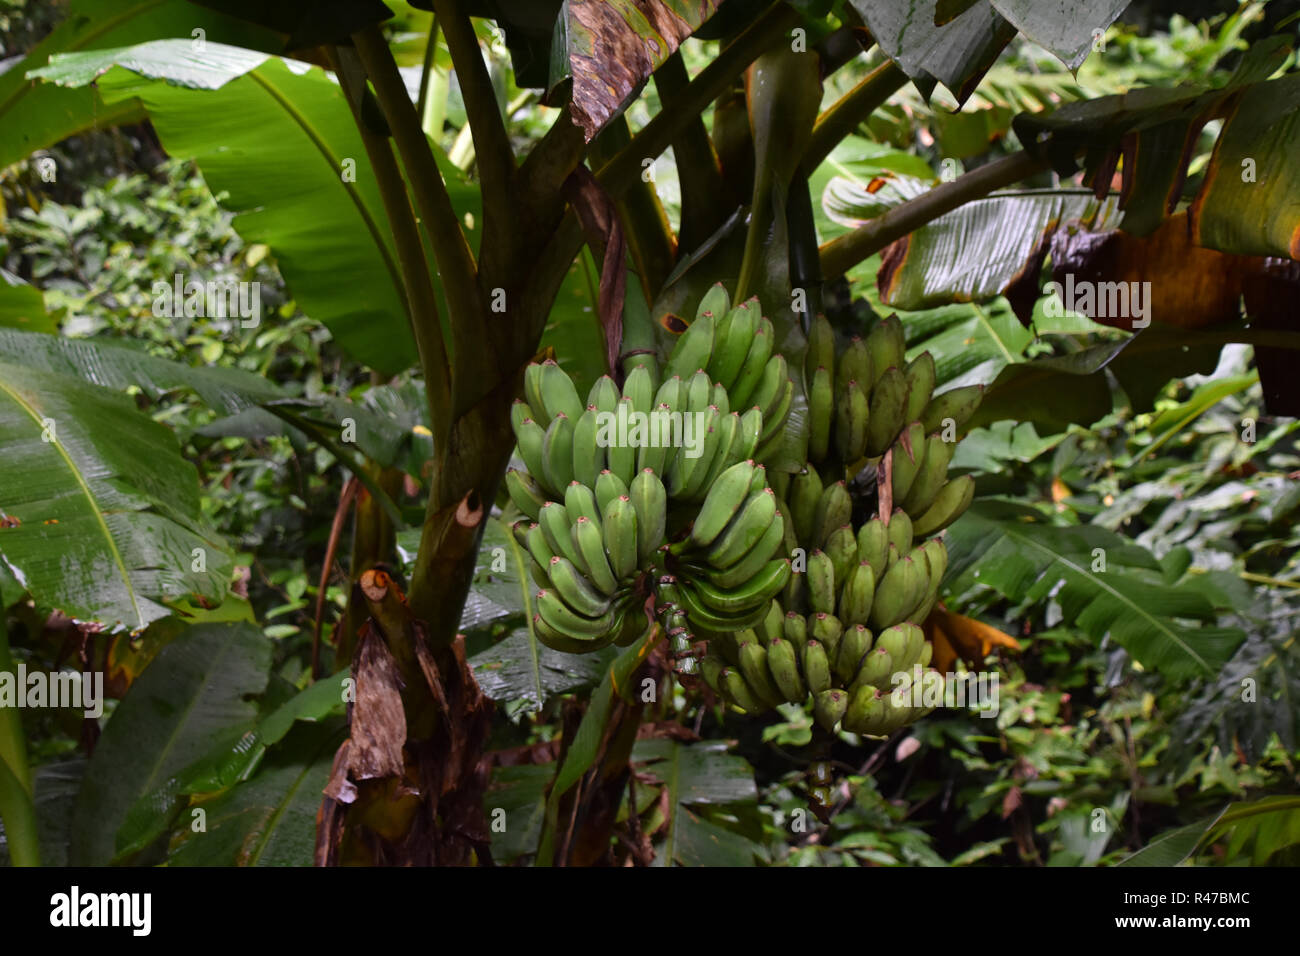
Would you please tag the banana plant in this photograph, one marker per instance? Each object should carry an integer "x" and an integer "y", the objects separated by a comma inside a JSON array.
[{"x": 304, "y": 119}]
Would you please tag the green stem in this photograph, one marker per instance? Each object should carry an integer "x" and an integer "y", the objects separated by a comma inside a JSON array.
[
  {"x": 422, "y": 304},
  {"x": 16, "y": 807},
  {"x": 848, "y": 250},
  {"x": 851, "y": 110}
]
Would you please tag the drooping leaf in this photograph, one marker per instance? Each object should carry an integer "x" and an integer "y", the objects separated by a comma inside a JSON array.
[
  {"x": 1069, "y": 31},
  {"x": 196, "y": 693},
  {"x": 1171, "y": 847},
  {"x": 282, "y": 145},
  {"x": 103, "y": 516},
  {"x": 1106, "y": 586},
  {"x": 517, "y": 668}
]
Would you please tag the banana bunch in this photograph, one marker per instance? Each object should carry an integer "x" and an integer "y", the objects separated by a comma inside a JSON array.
[
  {"x": 863, "y": 404},
  {"x": 858, "y": 681},
  {"x": 586, "y": 555},
  {"x": 734, "y": 346}
]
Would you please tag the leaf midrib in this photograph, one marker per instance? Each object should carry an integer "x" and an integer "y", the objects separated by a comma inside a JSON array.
[{"x": 118, "y": 559}]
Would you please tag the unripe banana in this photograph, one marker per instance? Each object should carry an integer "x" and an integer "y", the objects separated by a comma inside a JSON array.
[
  {"x": 745, "y": 530},
  {"x": 564, "y": 642},
  {"x": 829, "y": 707},
  {"x": 873, "y": 545},
  {"x": 565, "y": 619},
  {"x": 732, "y": 345},
  {"x": 576, "y": 589},
  {"x": 535, "y": 542},
  {"x": 609, "y": 487},
  {"x": 699, "y": 392},
  {"x": 854, "y": 645},
  {"x": 757, "y": 593},
  {"x": 897, "y": 641},
  {"x": 725, "y": 429},
  {"x": 620, "y": 455},
  {"x": 759, "y": 481},
  {"x": 754, "y": 560},
  {"x": 530, "y": 439},
  {"x": 820, "y": 582},
  {"x": 557, "y": 453},
  {"x": 805, "y": 494},
  {"x": 604, "y": 394},
  {"x": 957, "y": 404},
  {"x": 692, "y": 349},
  {"x": 554, "y": 521},
  {"x": 855, "y": 365},
  {"x": 900, "y": 531},
  {"x": 738, "y": 693},
  {"x": 780, "y": 483},
  {"x": 782, "y": 661},
  {"x": 857, "y": 595},
  {"x": 653, "y": 452},
  {"x": 520, "y": 412},
  {"x": 866, "y": 707},
  {"x": 816, "y": 669},
  {"x": 715, "y": 301},
  {"x": 579, "y": 502},
  {"x": 842, "y": 548},
  {"x": 948, "y": 506},
  {"x": 588, "y": 457},
  {"x": 909, "y": 453},
  {"x": 533, "y": 391},
  {"x": 526, "y": 493},
  {"x": 795, "y": 631},
  {"x": 770, "y": 387},
  {"x": 671, "y": 393},
  {"x": 650, "y": 502},
  {"x": 826, "y": 630},
  {"x": 750, "y": 431},
  {"x": 930, "y": 478},
  {"x": 834, "y": 509},
  {"x": 711, "y": 670},
  {"x": 898, "y": 592},
  {"x": 686, "y": 477},
  {"x": 853, "y": 417},
  {"x": 774, "y": 416},
  {"x": 770, "y": 627},
  {"x": 920, "y": 375},
  {"x": 753, "y": 667},
  {"x": 875, "y": 669},
  {"x": 821, "y": 414},
  {"x": 558, "y": 394},
  {"x": 751, "y": 369},
  {"x": 886, "y": 346},
  {"x": 720, "y": 397},
  {"x": 589, "y": 539},
  {"x": 888, "y": 411},
  {"x": 619, "y": 526},
  {"x": 724, "y": 499},
  {"x": 821, "y": 345}
]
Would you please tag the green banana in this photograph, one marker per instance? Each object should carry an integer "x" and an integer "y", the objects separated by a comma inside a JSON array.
[
  {"x": 821, "y": 345},
  {"x": 558, "y": 394},
  {"x": 857, "y": 595},
  {"x": 580, "y": 502},
  {"x": 604, "y": 395},
  {"x": 782, "y": 661},
  {"x": 865, "y": 710},
  {"x": 566, "y": 643},
  {"x": 753, "y": 667},
  {"x": 576, "y": 590},
  {"x": 557, "y": 452},
  {"x": 821, "y": 414},
  {"x": 745, "y": 530},
  {"x": 687, "y": 474},
  {"x": 639, "y": 387},
  {"x": 855, "y": 643},
  {"x": 842, "y": 548},
  {"x": 706, "y": 617},
  {"x": 875, "y": 669},
  {"x": 906, "y": 461},
  {"x": 957, "y": 404},
  {"x": 816, "y": 669},
  {"x": 554, "y": 521},
  {"x": 733, "y": 341},
  {"x": 900, "y": 531},
  {"x": 520, "y": 412},
  {"x": 873, "y": 545},
  {"x": 770, "y": 629},
  {"x": 609, "y": 486},
  {"x": 725, "y": 497},
  {"x": 805, "y": 494},
  {"x": 711, "y": 670},
  {"x": 888, "y": 411},
  {"x": 886, "y": 346},
  {"x": 899, "y": 591},
  {"x": 559, "y": 615},
  {"x": 720, "y": 397},
  {"x": 948, "y": 506},
  {"x": 672, "y": 392},
  {"x": 753, "y": 561},
  {"x": 795, "y": 630},
  {"x": 826, "y": 629},
  {"x": 653, "y": 451},
  {"x": 930, "y": 478},
  {"x": 747, "y": 435},
  {"x": 920, "y": 374},
  {"x": 820, "y": 581},
  {"x": 533, "y": 390},
  {"x": 650, "y": 502},
  {"x": 755, "y": 361},
  {"x": 757, "y": 592},
  {"x": 725, "y": 429},
  {"x": 771, "y": 387},
  {"x": 774, "y": 415},
  {"x": 530, "y": 438},
  {"x": 829, "y": 708},
  {"x": 738, "y": 693},
  {"x": 699, "y": 392},
  {"x": 834, "y": 509},
  {"x": 537, "y": 546},
  {"x": 589, "y": 539},
  {"x": 716, "y": 301},
  {"x": 620, "y": 455},
  {"x": 853, "y": 420},
  {"x": 692, "y": 349},
  {"x": 618, "y": 524},
  {"x": 526, "y": 493},
  {"x": 588, "y": 457},
  {"x": 855, "y": 365}
]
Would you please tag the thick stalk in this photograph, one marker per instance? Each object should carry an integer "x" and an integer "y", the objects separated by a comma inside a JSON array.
[
  {"x": 840, "y": 255},
  {"x": 703, "y": 192},
  {"x": 422, "y": 304},
  {"x": 851, "y": 110}
]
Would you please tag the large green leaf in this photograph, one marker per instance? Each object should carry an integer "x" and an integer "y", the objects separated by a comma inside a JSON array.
[
  {"x": 269, "y": 820},
  {"x": 1069, "y": 31},
  {"x": 698, "y": 776},
  {"x": 35, "y": 116},
  {"x": 518, "y": 668},
  {"x": 22, "y": 306},
  {"x": 196, "y": 693},
  {"x": 103, "y": 513},
  {"x": 281, "y": 144},
  {"x": 516, "y": 797},
  {"x": 1105, "y": 586}
]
